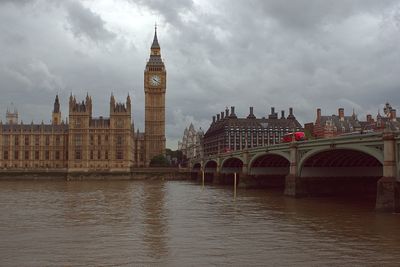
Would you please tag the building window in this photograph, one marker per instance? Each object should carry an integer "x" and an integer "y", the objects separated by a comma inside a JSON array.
[
  {"x": 5, "y": 156},
  {"x": 120, "y": 154},
  {"x": 120, "y": 123},
  {"x": 106, "y": 155},
  {"x": 26, "y": 154},
  {"x": 37, "y": 155},
  {"x": 6, "y": 140},
  {"x": 78, "y": 154},
  {"x": 16, "y": 152},
  {"x": 27, "y": 140},
  {"x": 91, "y": 154},
  {"x": 37, "y": 140},
  {"x": 16, "y": 140},
  {"x": 47, "y": 142},
  {"x": 99, "y": 154},
  {"x": 58, "y": 140},
  {"x": 120, "y": 139},
  {"x": 78, "y": 139},
  {"x": 57, "y": 155},
  {"x": 99, "y": 139},
  {"x": 47, "y": 155},
  {"x": 91, "y": 139}
]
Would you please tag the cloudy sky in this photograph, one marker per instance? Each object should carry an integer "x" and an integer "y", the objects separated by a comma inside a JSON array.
[{"x": 302, "y": 54}]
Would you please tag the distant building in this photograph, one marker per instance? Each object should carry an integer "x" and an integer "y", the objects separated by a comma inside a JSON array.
[
  {"x": 192, "y": 143},
  {"x": 329, "y": 126},
  {"x": 333, "y": 125},
  {"x": 227, "y": 132},
  {"x": 388, "y": 119}
]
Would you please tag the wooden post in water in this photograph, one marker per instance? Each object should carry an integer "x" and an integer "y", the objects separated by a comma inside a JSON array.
[
  {"x": 202, "y": 178},
  {"x": 234, "y": 186}
]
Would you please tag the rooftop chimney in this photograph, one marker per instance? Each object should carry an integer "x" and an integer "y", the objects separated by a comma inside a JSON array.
[
  {"x": 393, "y": 114},
  {"x": 222, "y": 115},
  {"x": 251, "y": 114},
  {"x": 369, "y": 118},
  {"x": 282, "y": 114},
  {"x": 226, "y": 112},
  {"x": 273, "y": 115},
  {"x": 291, "y": 116},
  {"x": 218, "y": 116},
  {"x": 233, "y": 115},
  {"x": 341, "y": 114},
  {"x": 318, "y": 115},
  {"x": 213, "y": 119}
]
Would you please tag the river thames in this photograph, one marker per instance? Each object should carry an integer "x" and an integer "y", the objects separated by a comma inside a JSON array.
[{"x": 178, "y": 223}]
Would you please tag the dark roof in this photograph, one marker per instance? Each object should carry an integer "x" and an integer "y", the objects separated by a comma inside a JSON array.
[
  {"x": 155, "y": 60},
  {"x": 155, "y": 43},
  {"x": 252, "y": 123},
  {"x": 347, "y": 123}
]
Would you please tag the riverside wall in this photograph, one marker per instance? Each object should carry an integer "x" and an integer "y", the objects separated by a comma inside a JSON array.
[{"x": 63, "y": 175}]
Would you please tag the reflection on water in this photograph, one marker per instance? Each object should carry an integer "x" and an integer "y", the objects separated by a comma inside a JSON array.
[
  {"x": 101, "y": 223},
  {"x": 155, "y": 220}
]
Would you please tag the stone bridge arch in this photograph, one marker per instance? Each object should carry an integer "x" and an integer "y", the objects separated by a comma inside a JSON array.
[
  {"x": 262, "y": 154},
  {"x": 376, "y": 153},
  {"x": 232, "y": 165},
  {"x": 229, "y": 167},
  {"x": 268, "y": 169},
  {"x": 210, "y": 170},
  {"x": 197, "y": 166},
  {"x": 195, "y": 171},
  {"x": 340, "y": 170}
]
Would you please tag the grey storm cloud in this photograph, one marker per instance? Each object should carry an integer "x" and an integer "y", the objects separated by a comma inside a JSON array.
[
  {"x": 84, "y": 23},
  {"x": 302, "y": 54}
]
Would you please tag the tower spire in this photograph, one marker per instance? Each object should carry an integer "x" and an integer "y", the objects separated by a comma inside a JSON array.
[
  {"x": 56, "y": 105},
  {"x": 155, "y": 44}
]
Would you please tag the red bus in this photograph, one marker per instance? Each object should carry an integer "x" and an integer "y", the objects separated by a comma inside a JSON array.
[{"x": 298, "y": 136}]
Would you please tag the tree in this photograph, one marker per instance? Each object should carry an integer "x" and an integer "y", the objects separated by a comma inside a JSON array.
[{"x": 159, "y": 161}]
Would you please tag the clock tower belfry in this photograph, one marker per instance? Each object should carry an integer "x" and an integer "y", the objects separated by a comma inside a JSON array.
[{"x": 155, "y": 78}]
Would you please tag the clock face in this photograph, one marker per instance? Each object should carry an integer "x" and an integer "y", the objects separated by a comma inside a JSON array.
[{"x": 155, "y": 80}]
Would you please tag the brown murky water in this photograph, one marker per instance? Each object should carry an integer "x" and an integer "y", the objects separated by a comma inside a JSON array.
[{"x": 126, "y": 223}]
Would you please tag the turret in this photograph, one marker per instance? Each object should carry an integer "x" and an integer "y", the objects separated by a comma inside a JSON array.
[
  {"x": 56, "y": 115},
  {"x": 12, "y": 115},
  {"x": 112, "y": 103},
  {"x": 128, "y": 103}
]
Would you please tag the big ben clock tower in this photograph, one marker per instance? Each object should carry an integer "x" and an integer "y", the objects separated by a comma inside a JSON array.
[{"x": 155, "y": 79}]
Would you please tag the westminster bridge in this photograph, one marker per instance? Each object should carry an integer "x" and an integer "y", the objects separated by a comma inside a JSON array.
[{"x": 354, "y": 164}]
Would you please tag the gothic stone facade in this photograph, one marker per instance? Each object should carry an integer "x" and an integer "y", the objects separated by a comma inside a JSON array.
[{"x": 88, "y": 144}]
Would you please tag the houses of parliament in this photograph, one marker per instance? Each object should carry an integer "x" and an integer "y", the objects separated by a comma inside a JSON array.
[{"x": 84, "y": 143}]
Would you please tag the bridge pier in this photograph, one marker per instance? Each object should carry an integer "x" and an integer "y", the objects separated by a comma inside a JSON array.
[
  {"x": 293, "y": 184},
  {"x": 246, "y": 180},
  {"x": 388, "y": 191}
]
